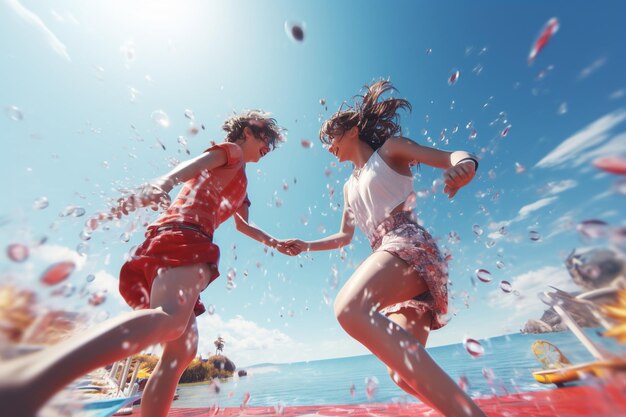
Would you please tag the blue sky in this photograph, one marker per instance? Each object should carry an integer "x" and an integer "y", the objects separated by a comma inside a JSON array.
[{"x": 87, "y": 80}]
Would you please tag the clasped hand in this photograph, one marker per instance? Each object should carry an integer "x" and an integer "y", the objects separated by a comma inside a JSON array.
[{"x": 291, "y": 247}]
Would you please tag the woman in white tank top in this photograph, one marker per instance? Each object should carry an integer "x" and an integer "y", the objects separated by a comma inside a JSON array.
[{"x": 399, "y": 293}]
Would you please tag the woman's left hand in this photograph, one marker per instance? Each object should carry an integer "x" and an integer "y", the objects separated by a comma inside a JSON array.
[{"x": 458, "y": 176}]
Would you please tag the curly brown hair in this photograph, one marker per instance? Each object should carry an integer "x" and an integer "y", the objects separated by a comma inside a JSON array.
[
  {"x": 377, "y": 121},
  {"x": 261, "y": 124}
]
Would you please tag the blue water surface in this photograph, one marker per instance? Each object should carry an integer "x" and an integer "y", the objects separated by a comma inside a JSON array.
[{"x": 505, "y": 367}]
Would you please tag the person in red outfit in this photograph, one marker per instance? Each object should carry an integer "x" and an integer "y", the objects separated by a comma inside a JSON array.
[{"x": 163, "y": 278}]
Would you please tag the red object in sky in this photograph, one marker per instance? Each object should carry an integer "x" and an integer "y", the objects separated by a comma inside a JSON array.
[
  {"x": 547, "y": 32},
  {"x": 612, "y": 164}
]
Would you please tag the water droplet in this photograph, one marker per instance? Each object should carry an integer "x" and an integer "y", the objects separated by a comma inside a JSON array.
[
  {"x": 246, "y": 399},
  {"x": 472, "y": 135},
  {"x": 306, "y": 143},
  {"x": 429, "y": 51},
  {"x": 181, "y": 297},
  {"x": 549, "y": 29},
  {"x": 506, "y": 286},
  {"x": 279, "y": 409},
  {"x": 98, "y": 298},
  {"x": 490, "y": 243},
  {"x": 505, "y": 131},
  {"x": 57, "y": 272},
  {"x": 562, "y": 108},
  {"x": 160, "y": 118},
  {"x": 17, "y": 252},
  {"x": 453, "y": 237},
  {"x": 612, "y": 164},
  {"x": 125, "y": 237},
  {"x": 294, "y": 30},
  {"x": 478, "y": 231},
  {"x": 592, "y": 229},
  {"x": 73, "y": 211},
  {"x": 231, "y": 274},
  {"x": 519, "y": 168},
  {"x": 41, "y": 203},
  {"x": 534, "y": 235},
  {"x": 322, "y": 101},
  {"x": 500, "y": 264},
  {"x": 210, "y": 309},
  {"x": 14, "y": 113},
  {"x": 483, "y": 275},
  {"x": 190, "y": 115},
  {"x": 371, "y": 387},
  {"x": 473, "y": 347},
  {"x": 90, "y": 278},
  {"x": 454, "y": 77}
]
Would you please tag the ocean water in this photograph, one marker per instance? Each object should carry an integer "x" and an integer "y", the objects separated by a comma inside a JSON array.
[{"x": 505, "y": 367}]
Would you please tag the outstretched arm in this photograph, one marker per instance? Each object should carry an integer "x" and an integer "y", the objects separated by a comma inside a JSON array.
[
  {"x": 154, "y": 194},
  {"x": 460, "y": 166},
  {"x": 242, "y": 225},
  {"x": 334, "y": 241}
]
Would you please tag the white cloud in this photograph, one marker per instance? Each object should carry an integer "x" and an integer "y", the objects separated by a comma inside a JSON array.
[
  {"x": 575, "y": 149},
  {"x": 36, "y": 21},
  {"x": 529, "y": 208},
  {"x": 556, "y": 187},
  {"x": 56, "y": 253},
  {"x": 617, "y": 94},
  {"x": 527, "y": 305},
  {"x": 593, "y": 67},
  {"x": 248, "y": 343},
  {"x": 109, "y": 283}
]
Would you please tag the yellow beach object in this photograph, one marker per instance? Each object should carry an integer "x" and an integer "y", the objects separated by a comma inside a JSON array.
[{"x": 571, "y": 373}]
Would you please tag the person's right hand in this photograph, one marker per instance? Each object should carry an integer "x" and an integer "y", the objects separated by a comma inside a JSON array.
[
  {"x": 294, "y": 247},
  {"x": 148, "y": 195}
]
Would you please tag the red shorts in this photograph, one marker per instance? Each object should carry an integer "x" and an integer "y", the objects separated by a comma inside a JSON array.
[{"x": 172, "y": 247}]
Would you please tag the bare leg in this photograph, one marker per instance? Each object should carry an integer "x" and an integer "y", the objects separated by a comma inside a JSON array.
[
  {"x": 418, "y": 324},
  {"x": 158, "y": 394},
  {"x": 26, "y": 384},
  {"x": 382, "y": 280}
]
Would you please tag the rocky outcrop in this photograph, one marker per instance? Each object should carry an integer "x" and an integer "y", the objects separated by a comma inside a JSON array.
[{"x": 221, "y": 362}]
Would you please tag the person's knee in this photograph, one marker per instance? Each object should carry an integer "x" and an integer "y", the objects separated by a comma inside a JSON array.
[
  {"x": 181, "y": 351},
  {"x": 351, "y": 316}
]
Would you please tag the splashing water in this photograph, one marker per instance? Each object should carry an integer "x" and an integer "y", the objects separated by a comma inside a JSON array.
[
  {"x": 483, "y": 275},
  {"x": 454, "y": 77},
  {"x": 17, "y": 252},
  {"x": 295, "y": 30},
  {"x": 550, "y": 28},
  {"x": 160, "y": 118},
  {"x": 57, "y": 272},
  {"x": 473, "y": 347}
]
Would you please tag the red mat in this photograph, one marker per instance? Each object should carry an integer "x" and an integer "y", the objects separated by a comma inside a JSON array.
[{"x": 592, "y": 401}]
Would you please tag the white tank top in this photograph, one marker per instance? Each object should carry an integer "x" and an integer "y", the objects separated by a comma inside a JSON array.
[{"x": 374, "y": 192}]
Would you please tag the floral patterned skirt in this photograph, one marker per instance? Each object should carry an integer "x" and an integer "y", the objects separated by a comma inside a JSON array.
[{"x": 400, "y": 235}]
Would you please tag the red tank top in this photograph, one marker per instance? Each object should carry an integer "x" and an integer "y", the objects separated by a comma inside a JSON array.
[{"x": 210, "y": 198}]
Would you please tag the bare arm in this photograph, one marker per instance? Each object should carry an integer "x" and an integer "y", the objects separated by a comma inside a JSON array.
[
  {"x": 155, "y": 193},
  {"x": 191, "y": 168},
  {"x": 409, "y": 152},
  {"x": 334, "y": 241},
  {"x": 460, "y": 166},
  {"x": 242, "y": 225}
]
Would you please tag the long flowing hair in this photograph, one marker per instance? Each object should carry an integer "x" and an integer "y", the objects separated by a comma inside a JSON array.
[{"x": 377, "y": 120}]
